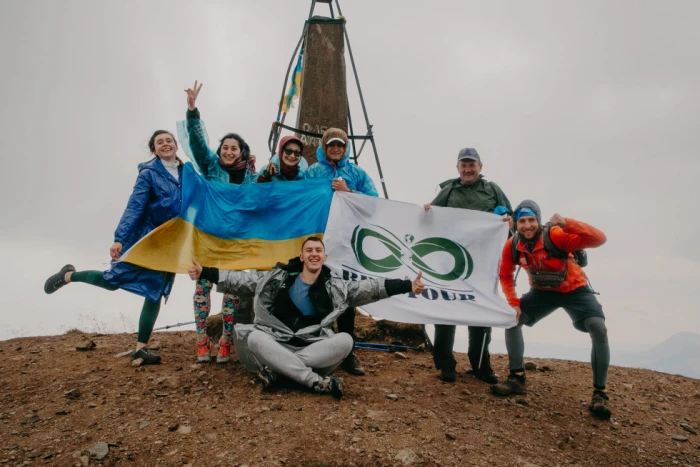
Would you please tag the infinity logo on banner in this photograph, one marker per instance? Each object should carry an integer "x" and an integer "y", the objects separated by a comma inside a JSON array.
[{"x": 401, "y": 254}]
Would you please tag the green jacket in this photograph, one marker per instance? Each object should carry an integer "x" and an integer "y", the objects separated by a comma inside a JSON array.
[{"x": 481, "y": 196}]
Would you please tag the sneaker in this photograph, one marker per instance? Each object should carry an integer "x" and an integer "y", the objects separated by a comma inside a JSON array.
[
  {"x": 329, "y": 385},
  {"x": 487, "y": 375},
  {"x": 204, "y": 351},
  {"x": 448, "y": 375},
  {"x": 148, "y": 357},
  {"x": 267, "y": 377},
  {"x": 352, "y": 365},
  {"x": 515, "y": 384},
  {"x": 224, "y": 354},
  {"x": 599, "y": 405},
  {"x": 58, "y": 280}
]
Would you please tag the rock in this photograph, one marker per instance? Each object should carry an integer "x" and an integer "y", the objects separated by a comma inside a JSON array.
[
  {"x": 679, "y": 438},
  {"x": 36, "y": 453},
  {"x": 72, "y": 394},
  {"x": 546, "y": 368},
  {"x": 137, "y": 362},
  {"x": 85, "y": 345},
  {"x": 172, "y": 382},
  {"x": 99, "y": 451},
  {"x": 530, "y": 366},
  {"x": 466, "y": 392},
  {"x": 155, "y": 345},
  {"x": 688, "y": 428},
  {"x": 144, "y": 424},
  {"x": 451, "y": 436},
  {"x": 401, "y": 355},
  {"x": 62, "y": 412},
  {"x": 407, "y": 457},
  {"x": 124, "y": 354},
  {"x": 392, "y": 397},
  {"x": 210, "y": 436},
  {"x": 173, "y": 426},
  {"x": 628, "y": 385},
  {"x": 522, "y": 402},
  {"x": 185, "y": 430},
  {"x": 92, "y": 405}
]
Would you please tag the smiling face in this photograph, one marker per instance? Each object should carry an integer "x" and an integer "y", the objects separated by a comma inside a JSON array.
[
  {"x": 291, "y": 154},
  {"x": 165, "y": 146},
  {"x": 313, "y": 255},
  {"x": 335, "y": 151},
  {"x": 469, "y": 171},
  {"x": 230, "y": 150},
  {"x": 527, "y": 227}
]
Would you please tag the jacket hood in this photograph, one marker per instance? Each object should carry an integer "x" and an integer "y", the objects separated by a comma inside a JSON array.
[
  {"x": 321, "y": 156},
  {"x": 528, "y": 203},
  {"x": 296, "y": 265}
]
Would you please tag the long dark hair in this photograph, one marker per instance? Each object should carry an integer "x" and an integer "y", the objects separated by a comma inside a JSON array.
[
  {"x": 152, "y": 142},
  {"x": 245, "y": 149}
]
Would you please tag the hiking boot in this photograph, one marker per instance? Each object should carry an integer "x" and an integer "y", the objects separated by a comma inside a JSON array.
[
  {"x": 224, "y": 355},
  {"x": 599, "y": 405},
  {"x": 329, "y": 385},
  {"x": 148, "y": 357},
  {"x": 448, "y": 375},
  {"x": 352, "y": 365},
  {"x": 515, "y": 384},
  {"x": 267, "y": 377},
  {"x": 58, "y": 280},
  {"x": 487, "y": 375},
  {"x": 204, "y": 351}
]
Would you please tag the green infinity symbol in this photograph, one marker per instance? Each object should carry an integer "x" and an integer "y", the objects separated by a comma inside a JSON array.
[{"x": 400, "y": 253}]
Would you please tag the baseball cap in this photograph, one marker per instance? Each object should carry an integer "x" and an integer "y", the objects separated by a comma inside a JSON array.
[
  {"x": 468, "y": 153},
  {"x": 340, "y": 140}
]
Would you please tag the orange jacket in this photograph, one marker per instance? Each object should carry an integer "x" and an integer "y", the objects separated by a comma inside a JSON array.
[{"x": 575, "y": 236}]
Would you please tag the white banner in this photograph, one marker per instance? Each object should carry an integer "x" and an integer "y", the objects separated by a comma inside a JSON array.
[{"x": 458, "y": 251}]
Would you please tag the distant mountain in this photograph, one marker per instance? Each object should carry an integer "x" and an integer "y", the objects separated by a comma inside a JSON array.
[{"x": 679, "y": 354}]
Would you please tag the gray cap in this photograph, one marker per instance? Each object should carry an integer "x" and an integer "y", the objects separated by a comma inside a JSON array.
[{"x": 468, "y": 153}]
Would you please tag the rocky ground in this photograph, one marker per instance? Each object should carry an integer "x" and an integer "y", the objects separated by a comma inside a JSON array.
[{"x": 61, "y": 406}]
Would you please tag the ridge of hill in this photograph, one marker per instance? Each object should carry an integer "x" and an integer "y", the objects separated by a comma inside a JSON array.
[{"x": 58, "y": 404}]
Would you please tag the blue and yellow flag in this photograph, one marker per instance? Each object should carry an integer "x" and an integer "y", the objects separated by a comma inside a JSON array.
[
  {"x": 235, "y": 226},
  {"x": 294, "y": 86}
]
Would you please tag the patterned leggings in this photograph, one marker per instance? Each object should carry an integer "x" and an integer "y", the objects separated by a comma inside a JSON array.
[{"x": 202, "y": 307}]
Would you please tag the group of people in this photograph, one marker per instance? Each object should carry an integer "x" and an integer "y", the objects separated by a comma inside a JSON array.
[{"x": 296, "y": 303}]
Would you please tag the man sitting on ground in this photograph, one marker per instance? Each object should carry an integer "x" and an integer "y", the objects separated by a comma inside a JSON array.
[
  {"x": 556, "y": 280},
  {"x": 295, "y": 306}
]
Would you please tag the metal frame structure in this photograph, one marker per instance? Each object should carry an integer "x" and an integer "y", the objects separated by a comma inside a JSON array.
[{"x": 279, "y": 124}]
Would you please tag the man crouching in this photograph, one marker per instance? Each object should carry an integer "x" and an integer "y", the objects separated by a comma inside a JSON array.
[{"x": 295, "y": 306}]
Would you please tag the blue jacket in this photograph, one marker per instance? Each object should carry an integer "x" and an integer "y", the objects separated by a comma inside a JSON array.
[
  {"x": 194, "y": 139},
  {"x": 278, "y": 177},
  {"x": 157, "y": 198},
  {"x": 355, "y": 178}
]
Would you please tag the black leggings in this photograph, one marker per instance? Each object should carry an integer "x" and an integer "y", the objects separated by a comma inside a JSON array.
[{"x": 149, "y": 311}]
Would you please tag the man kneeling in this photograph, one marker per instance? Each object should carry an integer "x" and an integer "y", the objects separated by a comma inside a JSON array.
[
  {"x": 295, "y": 306},
  {"x": 557, "y": 280}
]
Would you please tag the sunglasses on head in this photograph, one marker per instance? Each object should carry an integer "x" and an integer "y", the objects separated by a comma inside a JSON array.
[
  {"x": 335, "y": 144},
  {"x": 289, "y": 152}
]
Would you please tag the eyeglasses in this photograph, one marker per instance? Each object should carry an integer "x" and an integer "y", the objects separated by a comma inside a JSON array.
[
  {"x": 335, "y": 144},
  {"x": 289, "y": 152}
]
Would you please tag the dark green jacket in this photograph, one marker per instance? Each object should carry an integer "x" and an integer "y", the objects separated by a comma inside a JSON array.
[{"x": 481, "y": 196}]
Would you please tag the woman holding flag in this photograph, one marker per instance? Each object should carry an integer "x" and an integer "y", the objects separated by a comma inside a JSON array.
[
  {"x": 156, "y": 199},
  {"x": 230, "y": 163}
]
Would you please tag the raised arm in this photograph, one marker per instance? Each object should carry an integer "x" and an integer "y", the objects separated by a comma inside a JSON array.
[
  {"x": 571, "y": 235},
  {"x": 197, "y": 132}
]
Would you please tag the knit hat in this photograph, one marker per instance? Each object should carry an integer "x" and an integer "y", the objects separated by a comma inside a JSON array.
[
  {"x": 333, "y": 133},
  {"x": 528, "y": 208}
]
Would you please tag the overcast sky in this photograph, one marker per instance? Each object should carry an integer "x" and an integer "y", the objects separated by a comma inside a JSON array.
[{"x": 590, "y": 108}]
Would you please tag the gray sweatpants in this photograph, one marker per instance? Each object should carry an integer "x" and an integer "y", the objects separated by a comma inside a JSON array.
[{"x": 303, "y": 366}]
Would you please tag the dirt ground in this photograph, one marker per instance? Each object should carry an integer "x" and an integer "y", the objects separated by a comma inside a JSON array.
[{"x": 58, "y": 403}]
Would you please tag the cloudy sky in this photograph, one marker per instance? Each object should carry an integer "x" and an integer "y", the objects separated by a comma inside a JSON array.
[{"x": 590, "y": 108}]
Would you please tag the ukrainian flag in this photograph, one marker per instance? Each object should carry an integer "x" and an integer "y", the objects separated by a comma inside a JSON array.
[
  {"x": 294, "y": 86},
  {"x": 235, "y": 226}
]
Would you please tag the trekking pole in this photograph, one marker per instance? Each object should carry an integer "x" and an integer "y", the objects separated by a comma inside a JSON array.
[
  {"x": 174, "y": 325},
  {"x": 483, "y": 346}
]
